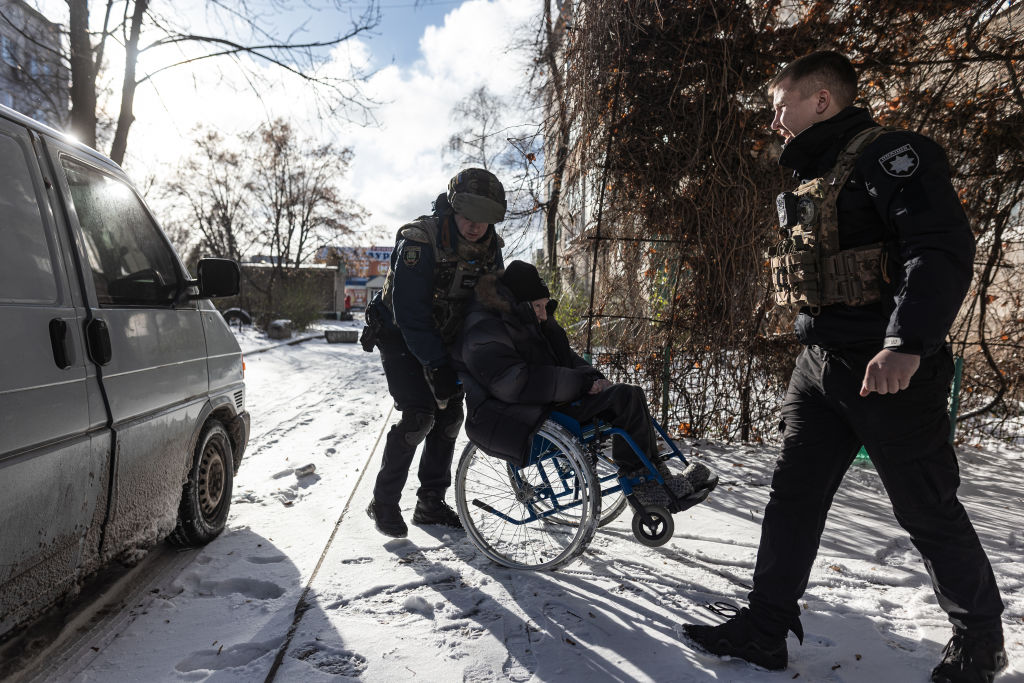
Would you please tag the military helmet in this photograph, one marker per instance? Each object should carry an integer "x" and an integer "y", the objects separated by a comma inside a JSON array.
[{"x": 478, "y": 195}]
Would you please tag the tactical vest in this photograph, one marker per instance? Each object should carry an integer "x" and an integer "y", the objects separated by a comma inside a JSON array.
[
  {"x": 807, "y": 266},
  {"x": 454, "y": 278}
]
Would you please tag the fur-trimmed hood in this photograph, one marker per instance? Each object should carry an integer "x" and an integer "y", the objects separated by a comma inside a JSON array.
[{"x": 494, "y": 296}]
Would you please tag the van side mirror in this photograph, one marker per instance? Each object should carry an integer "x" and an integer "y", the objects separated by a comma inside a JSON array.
[{"x": 217, "y": 277}]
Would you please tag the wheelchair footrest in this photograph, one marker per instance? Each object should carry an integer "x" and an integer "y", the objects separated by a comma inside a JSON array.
[{"x": 698, "y": 496}]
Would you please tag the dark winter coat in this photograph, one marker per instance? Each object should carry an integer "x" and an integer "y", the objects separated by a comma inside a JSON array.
[
  {"x": 898, "y": 193},
  {"x": 514, "y": 371}
]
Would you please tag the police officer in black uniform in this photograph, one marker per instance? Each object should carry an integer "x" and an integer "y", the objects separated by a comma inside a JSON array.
[
  {"x": 435, "y": 265},
  {"x": 875, "y": 373}
]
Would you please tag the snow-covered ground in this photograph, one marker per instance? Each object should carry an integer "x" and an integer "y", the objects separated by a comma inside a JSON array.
[{"x": 432, "y": 608}]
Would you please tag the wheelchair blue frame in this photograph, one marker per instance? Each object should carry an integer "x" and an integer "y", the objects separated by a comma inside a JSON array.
[
  {"x": 569, "y": 504},
  {"x": 595, "y": 431}
]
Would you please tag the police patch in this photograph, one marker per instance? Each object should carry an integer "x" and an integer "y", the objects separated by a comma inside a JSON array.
[
  {"x": 411, "y": 256},
  {"x": 901, "y": 162}
]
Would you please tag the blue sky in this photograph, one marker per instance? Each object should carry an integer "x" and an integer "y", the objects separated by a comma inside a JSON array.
[{"x": 396, "y": 37}]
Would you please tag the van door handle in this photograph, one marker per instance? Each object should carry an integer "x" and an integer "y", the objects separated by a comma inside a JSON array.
[
  {"x": 59, "y": 342},
  {"x": 98, "y": 336}
]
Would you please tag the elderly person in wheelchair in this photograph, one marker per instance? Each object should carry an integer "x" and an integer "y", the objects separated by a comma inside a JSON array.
[{"x": 517, "y": 366}]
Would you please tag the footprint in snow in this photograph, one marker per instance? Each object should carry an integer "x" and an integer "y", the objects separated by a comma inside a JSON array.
[
  {"x": 331, "y": 660},
  {"x": 249, "y": 588},
  {"x": 218, "y": 659}
]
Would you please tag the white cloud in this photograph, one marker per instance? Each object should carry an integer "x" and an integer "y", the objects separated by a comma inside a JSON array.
[{"x": 398, "y": 167}]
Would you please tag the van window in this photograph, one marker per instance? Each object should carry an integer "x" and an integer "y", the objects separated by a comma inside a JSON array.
[
  {"x": 131, "y": 263},
  {"x": 26, "y": 258}
]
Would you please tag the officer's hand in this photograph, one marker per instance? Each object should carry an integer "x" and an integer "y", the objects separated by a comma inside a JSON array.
[
  {"x": 443, "y": 381},
  {"x": 889, "y": 372},
  {"x": 599, "y": 385}
]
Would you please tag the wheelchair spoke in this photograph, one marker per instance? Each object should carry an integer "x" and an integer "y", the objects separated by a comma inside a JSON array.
[{"x": 536, "y": 517}]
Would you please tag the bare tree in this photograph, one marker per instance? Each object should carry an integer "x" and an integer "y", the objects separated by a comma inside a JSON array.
[
  {"x": 495, "y": 138},
  {"x": 211, "y": 199},
  {"x": 479, "y": 142},
  {"x": 295, "y": 193},
  {"x": 558, "y": 111},
  {"x": 139, "y": 20}
]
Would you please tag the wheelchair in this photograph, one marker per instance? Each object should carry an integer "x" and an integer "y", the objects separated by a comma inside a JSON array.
[{"x": 543, "y": 516}]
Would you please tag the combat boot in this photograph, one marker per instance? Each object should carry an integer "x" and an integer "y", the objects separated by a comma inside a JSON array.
[
  {"x": 741, "y": 638},
  {"x": 388, "y": 519},
  {"x": 431, "y": 509},
  {"x": 971, "y": 657}
]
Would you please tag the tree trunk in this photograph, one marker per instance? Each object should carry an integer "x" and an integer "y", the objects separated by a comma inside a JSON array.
[
  {"x": 83, "y": 74},
  {"x": 562, "y": 145},
  {"x": 131, "y": 57}
]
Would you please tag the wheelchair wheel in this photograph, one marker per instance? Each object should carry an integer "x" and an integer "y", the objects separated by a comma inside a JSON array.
[
  {"x": 612, "y": 504},
  {"x": 653, "y": 526},
  {"x": 541, "y": 516}
]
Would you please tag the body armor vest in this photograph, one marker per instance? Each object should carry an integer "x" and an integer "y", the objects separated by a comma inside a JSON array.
[
  {"x": 807, "y": 266},
  {"x": 455, "y": 276}
]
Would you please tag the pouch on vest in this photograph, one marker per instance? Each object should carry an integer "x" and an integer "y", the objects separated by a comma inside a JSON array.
[{"x": 807, "y": 268}]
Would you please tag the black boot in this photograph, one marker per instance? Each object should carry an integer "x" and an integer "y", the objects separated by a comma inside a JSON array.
[
  {"x": 740, "y": 637},
  {"x": 388, "y": 519},
  {"x": 431, "y": 509},
  {"x": 971, "y": 657}
]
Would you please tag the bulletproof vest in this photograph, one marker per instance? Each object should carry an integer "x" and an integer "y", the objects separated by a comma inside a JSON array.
[
  {"x": 455, "y": 276},
  {"x": 807, "y": 266}
]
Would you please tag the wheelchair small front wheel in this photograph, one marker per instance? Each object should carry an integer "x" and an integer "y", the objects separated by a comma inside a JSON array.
[{"x": 653, "y": 525}]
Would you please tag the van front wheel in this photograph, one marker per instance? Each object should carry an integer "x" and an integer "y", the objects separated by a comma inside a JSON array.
[{"x": 206, "y": 496}]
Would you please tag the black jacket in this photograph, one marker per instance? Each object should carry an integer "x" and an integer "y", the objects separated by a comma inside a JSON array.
[
  {"x": 898, "y": 193},
  {"x": 514, "y": 371}
]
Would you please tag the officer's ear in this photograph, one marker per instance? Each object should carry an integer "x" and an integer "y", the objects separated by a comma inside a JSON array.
[{"x": 823, "y": 98}]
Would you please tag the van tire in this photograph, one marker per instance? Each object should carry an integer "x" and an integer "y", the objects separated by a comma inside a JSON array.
[{"x": 206, "y": 496}]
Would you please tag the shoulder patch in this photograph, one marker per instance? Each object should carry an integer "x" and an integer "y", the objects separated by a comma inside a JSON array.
[
  {"x": 900, "y": 162},
  {"x": 410, "y": 255},
  {"x": 415, "y": 233}
]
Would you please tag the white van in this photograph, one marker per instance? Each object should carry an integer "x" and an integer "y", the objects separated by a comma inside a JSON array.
[{"x": 122, "y": 404}]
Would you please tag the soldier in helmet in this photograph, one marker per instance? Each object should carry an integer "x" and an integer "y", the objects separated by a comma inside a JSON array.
[
  {"x": 878, "y": 259},
  {"x": 435, "y": 265}
]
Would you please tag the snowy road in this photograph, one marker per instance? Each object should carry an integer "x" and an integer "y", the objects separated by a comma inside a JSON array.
[{"x": 432, "y": 608}]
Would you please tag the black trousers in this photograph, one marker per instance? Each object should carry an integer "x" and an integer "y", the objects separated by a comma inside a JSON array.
[
  {"x": 906, "y": 434},
  {"x": 421, "y": 421},
  {"x": 623, "y": 406}
]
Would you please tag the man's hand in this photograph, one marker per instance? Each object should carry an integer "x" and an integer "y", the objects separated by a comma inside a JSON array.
[
  {"x": 599, "y": 385},
  {"x": 889, "y": 372},
  {"x": 444, "y": 383}
]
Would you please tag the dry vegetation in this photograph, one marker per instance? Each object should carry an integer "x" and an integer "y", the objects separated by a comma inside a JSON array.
[{"x": 670, "y": 174}]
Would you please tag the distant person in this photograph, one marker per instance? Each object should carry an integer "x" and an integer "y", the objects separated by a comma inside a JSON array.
[
  {"x": 517, "y": 366},
  {"x": 437, "y": 262},
  {"x": 896, "y": 256}
]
